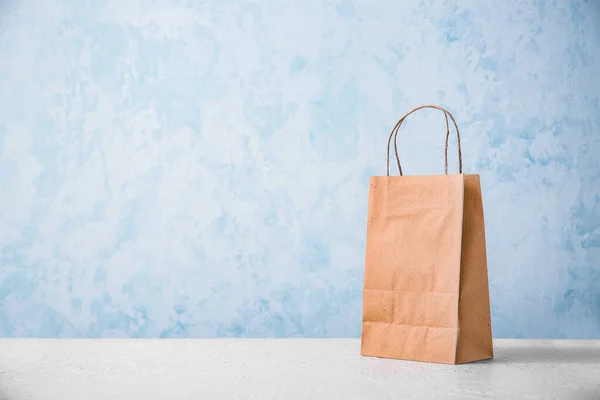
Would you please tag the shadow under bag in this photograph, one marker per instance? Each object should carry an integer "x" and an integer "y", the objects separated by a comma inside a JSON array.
[{"x": 426, "y": 295}]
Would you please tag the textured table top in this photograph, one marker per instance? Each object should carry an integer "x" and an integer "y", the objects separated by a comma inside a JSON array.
[{"x": 286, "y": 369}]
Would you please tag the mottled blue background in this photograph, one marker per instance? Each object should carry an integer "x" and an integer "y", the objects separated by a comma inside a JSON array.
[{"x": 200, "y": 168}]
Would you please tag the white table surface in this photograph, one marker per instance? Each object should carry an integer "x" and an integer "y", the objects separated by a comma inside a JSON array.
[{"x": 62, "y": 369}]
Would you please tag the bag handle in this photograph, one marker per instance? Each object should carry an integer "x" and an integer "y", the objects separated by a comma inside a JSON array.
[{"x": 396, "y": 128}]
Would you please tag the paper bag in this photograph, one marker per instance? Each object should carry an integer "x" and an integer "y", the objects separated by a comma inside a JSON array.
[{"x": 426, "y": 295}]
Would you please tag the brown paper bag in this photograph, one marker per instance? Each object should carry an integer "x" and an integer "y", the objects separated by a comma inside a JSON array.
[{"x": 426, "y": 295}]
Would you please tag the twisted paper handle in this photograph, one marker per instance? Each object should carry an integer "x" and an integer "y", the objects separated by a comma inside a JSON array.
[{"x": 396, "y": 128}]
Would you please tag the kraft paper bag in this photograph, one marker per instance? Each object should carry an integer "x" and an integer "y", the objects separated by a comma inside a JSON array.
[{"x": 426, "y": 295}]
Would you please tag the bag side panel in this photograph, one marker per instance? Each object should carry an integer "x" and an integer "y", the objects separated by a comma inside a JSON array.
[{"x": 475, "y": 327}]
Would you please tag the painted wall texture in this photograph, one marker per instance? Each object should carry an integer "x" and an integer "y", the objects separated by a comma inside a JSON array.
[{"x": 200, "y": 168}]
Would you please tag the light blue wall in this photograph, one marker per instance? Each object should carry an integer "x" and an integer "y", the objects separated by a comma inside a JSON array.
[{"x": 200, "y": 168}]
